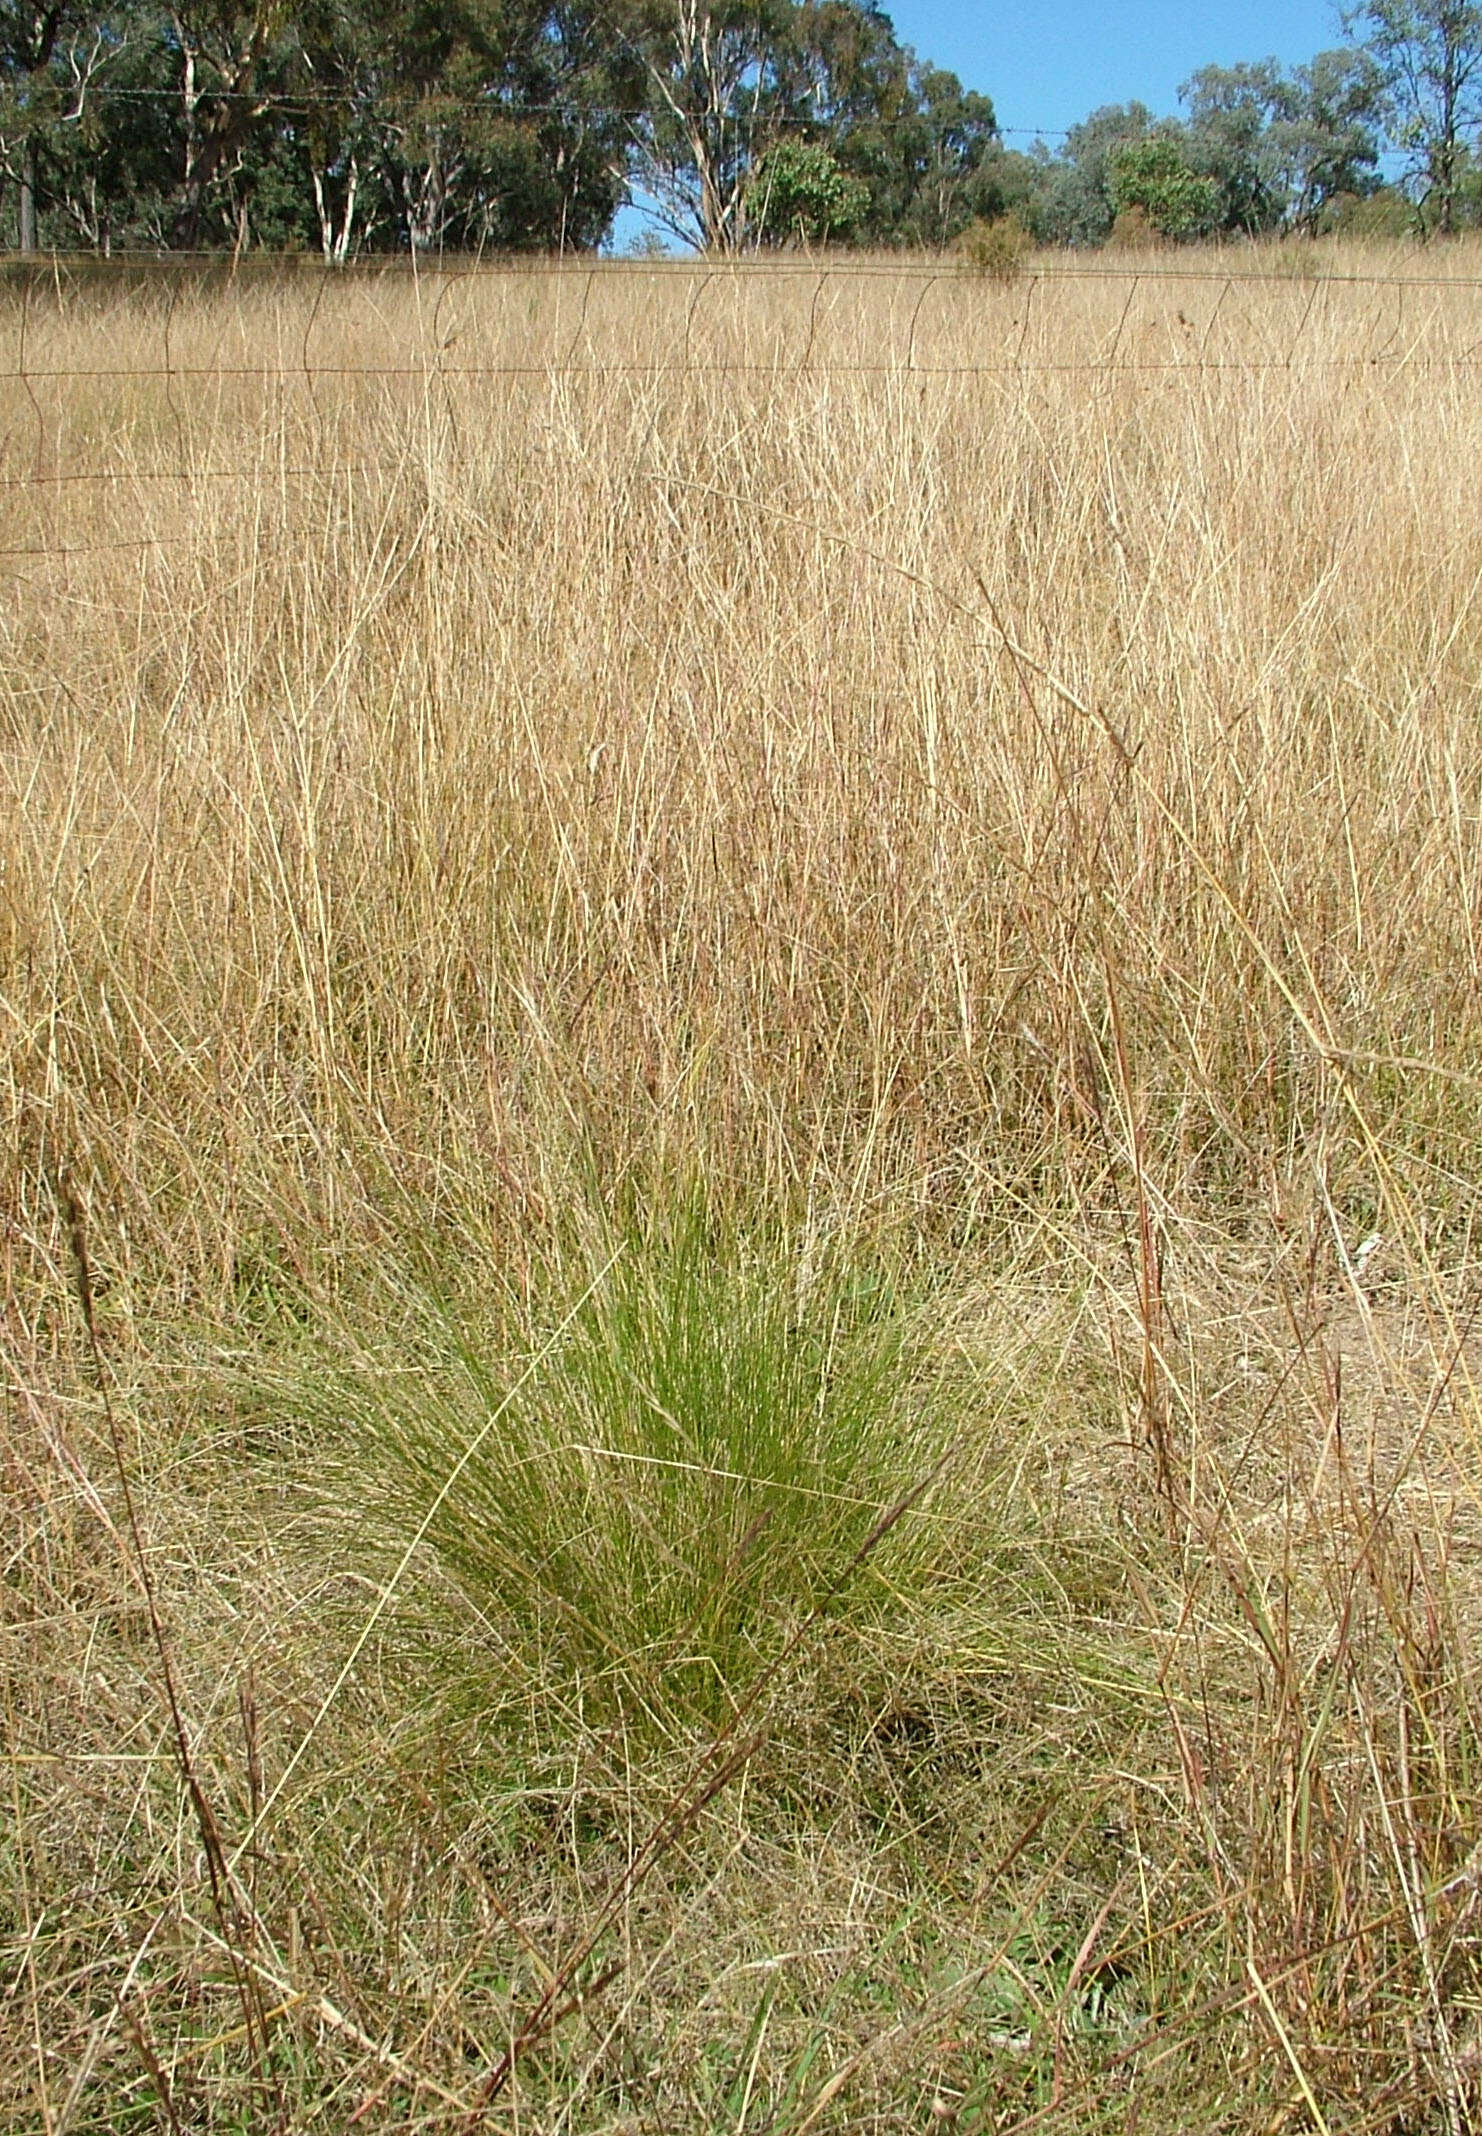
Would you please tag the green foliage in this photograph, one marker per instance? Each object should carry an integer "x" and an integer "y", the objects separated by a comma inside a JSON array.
[
  {"x": 728, "y": 86},
  {"x": 1429, "y": 57},
  {"x": 798, "y": 193},
  {"x": 931, "y": 158},
  {"x": 346, "y": 127},
  {"x": 1276, "y": 147},
  {"x": 1072, "y": 203},
  {"x": 1385, "y": 213},
  {"x": 325, "y": 123},
  {"x": 1280, "y": 146},
  {"x": 693, "y": 1462},
  {"x": 1155, "y": 176},
  {"x": 647, "y": 245},
  {"x": 1228, "y": 140}
]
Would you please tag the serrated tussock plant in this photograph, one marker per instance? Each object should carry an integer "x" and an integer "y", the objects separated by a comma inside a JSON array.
[{"x": 649, "y": 1487}]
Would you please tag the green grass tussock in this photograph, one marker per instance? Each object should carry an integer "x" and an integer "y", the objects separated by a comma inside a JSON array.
[{"x": 686, "y": 1458}]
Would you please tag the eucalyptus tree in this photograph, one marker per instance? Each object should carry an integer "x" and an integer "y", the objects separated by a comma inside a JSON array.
[
  {"x": 1429, "y": 55},
  {"x": 728, "y": 82},
  {"x": 932, "y": 158},
  {"x": 1072, "y": 201},
  {"x": 1280, "y": 146},
  {"x": 711, "y": 107},
  {"x": 55, "y": 56}
]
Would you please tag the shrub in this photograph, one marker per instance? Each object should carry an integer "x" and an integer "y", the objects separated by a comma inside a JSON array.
[
  {"x": 647, "y": 245},
  {"x": 997, "y": 250},
  {"x": 1135, "y": 231},
  {"x": 1155, "y": 176},
  {"x": 798, "y": 192},
  {"x": 1384, "y": 214}
]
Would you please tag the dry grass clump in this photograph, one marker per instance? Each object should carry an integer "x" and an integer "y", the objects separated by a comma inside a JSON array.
[
  {"x": 999, "y": 250},
  {"x": 639, "y": 901}
]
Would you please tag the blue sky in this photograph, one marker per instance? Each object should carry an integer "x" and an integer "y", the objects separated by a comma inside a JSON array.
[{"x": 1046, "y": 65}]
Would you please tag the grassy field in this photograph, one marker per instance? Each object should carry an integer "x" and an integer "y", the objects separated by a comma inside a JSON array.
[{"x": 741, "y": 1033}]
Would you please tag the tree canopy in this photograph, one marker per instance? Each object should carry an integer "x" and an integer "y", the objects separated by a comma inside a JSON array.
[
  {"x": 425, "y": 125},
  {"x": 1427, "y": 56},
  {"x": 344, "y": 127}
]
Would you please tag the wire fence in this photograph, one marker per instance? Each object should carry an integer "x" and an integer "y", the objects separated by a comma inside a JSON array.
[
  {"x": 782, "y": 324},
  {"x": 61, "y": 271}
]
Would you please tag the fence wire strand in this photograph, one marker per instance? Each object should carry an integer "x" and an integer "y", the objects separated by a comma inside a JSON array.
[{"x": 1117, "y": 358}]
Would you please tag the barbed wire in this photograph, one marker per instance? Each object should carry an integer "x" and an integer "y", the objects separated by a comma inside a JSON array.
[
  {"x": 781, "y": 369},
  {"x": 45, "y": 267},
  {"x": 494, "y": 106},
  {"x": 760, "y": 119},
  {"x": 840, "y": 125}
]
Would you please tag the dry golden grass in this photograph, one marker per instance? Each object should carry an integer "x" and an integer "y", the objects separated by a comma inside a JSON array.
[{"x": 978, "y": 785}]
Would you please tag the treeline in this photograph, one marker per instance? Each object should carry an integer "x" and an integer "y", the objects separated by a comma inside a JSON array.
[
  {"x": 351, "y": 126},
  {"x": 362, "y": 126}
]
